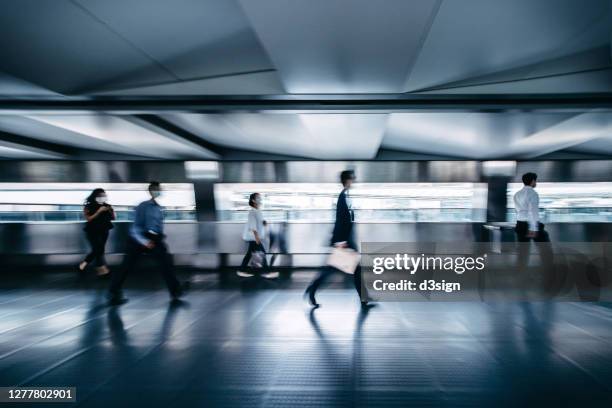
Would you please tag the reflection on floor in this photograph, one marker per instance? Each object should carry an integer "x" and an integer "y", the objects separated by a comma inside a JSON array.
[{"x": 259, "y": 345}]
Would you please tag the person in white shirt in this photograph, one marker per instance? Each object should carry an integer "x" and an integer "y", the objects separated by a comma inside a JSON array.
[
  {"x": 254, "y": 233},
  {"x": 528, "y": 225},
  {"x": 527, "y": 204}
]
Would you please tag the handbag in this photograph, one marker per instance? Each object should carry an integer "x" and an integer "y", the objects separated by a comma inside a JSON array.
[
  {"x": 344, "y": 259},
  {"x": 257, "y": 259}
]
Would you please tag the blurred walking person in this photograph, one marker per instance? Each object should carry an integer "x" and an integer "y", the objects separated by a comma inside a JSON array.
[
  {"x": 99, "y": 215},
  {"x": 528, "y": 227},
  {"x": 147, "y": 237},
  {"x": 254, "y": 234},
  {"x": 342, "y": 237}
]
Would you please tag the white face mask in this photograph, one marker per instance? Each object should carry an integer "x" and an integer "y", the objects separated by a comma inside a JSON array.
[
  {"x": 258, "y": 202},
  {"x": 155, "y": 193},
  {"x": 101, "y": 199}
]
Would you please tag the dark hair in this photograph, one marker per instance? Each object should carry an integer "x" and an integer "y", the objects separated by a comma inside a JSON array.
[
  {"x": 154, "y": 185},
  {"x": 252, "y": 198},
  {"x": 529, "y": 178},
  {"x": 347, "y": 175},
  {"x": 91, "y": 198}
]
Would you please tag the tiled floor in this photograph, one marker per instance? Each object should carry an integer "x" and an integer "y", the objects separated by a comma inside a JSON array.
[{"x": 260, "y": 346}]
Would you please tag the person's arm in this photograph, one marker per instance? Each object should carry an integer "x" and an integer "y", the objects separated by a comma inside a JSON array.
[
  {"x": 136, "y": 229},
  {"x": 89, "y": 216},
  {"x": 533, "y": 210},
  {"x": 112, "y": 212}
]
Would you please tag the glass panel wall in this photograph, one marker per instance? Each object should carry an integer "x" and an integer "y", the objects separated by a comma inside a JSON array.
[
  {"x": 61, "y": 202},
  {"x": 569, "y": 202},
  {"x": 372, "y": 202}
]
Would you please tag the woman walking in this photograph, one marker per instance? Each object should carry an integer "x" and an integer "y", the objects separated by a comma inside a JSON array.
[
  {"x": 254, "y": 232},
  {"x": 99, "y": 215}
]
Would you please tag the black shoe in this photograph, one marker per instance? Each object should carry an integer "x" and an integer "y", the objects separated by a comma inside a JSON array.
[
  {"x": 365, "y": 305},
  {"x": 176, "y": 303},
  {"x": 309, "y": 294},
  {"x": 183, "y": 289},
  {"x": 117, "y": 300}
]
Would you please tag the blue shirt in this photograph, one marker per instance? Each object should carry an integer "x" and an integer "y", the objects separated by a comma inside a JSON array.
[{"x": 148, "y": 218}]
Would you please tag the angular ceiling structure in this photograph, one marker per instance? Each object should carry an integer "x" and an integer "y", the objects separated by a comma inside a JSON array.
[{"x": 157, "y": 52}]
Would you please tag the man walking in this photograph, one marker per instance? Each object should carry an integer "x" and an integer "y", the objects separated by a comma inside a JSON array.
[
  {"x": 343, "y": 236},
  {"x": 146, "y": 236}
]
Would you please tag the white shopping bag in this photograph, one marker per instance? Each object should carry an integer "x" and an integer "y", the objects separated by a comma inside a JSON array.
[
  {"x": 344, "y": 259},
  {"x": 257, "y": 259}
]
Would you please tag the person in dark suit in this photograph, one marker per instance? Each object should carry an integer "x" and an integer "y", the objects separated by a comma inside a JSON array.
[
  {"x": 147, "y": 236},
  {"x": 342, "y": 236}
]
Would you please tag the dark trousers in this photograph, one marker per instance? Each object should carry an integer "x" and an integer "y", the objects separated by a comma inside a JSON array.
[
  {"x": 542, "y": 243},
  {"x": 328, "y": 271},
  {"x": 254, "y": 247},
  {"x": 97, "y": 241},
  {"x": 133, "y": 254}
]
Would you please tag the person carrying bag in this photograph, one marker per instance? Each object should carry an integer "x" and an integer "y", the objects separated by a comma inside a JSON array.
[
  {"x": 254, "y": 232},
  {"x": 344, "y": 255}
]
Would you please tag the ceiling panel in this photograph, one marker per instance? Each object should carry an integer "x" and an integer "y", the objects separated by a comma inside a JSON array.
[
  {"x": 320, "y": 136},
  {"x": 468, "y": 135},
  {"x": 563, "y": 135},
  {"x": 192, "y": 39},
  {"x": 49, "y": 132},
  {"x": 16, "y": 153},
  {"x": 262, "y": 83},
  {"x": 130, "y": 134},
  {"x": 12, "y": 86},
  {"x": 477, "y": 37},
  {"x": 338, "y": 47},
  {"x": 60, "y": 46},
  {"x": 583, "y": 82}
]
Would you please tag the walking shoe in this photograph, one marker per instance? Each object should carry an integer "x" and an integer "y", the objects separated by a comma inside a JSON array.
[
  {"x": 243, "y": 274},
  {"x": 270, "y": 275},
  {"x": 310, "y": 297},
  {"x": 182, "y": 290},
  {"x": 117, "y": 301}
]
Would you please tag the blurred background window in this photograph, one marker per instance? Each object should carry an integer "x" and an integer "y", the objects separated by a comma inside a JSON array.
[
  {"x": 569, "y": 202},
  {"x": 372, "y": 202},
  {"x": 62, "y": 202}
]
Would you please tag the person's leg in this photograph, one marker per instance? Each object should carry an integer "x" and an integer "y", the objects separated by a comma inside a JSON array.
[
  {"x": 118, "y": 276},
  {"x": 323, "y": 276},
  {"x": 164, "y": 258},
  {"x": 545, "y": 251},
  {"x": 267, "y": 272},
  {"x": 91, "y": 255},
  {"x": 357, "y": 275},
  {"x": 264, "y": 262},
  {"x": 357, "y": 282},
  {"x": 523, "y": 245},
  {"x": 97, "y": 249},
  {"x": 247, "y": 257},
  {"x": 98, "y": 241},
  {"x": 102, "y": 249}
]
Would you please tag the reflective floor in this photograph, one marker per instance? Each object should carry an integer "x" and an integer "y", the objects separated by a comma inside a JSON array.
[{"x": 258, "y": 345}]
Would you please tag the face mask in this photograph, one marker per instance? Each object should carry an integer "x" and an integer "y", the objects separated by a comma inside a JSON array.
[
  {"x": 101, "y": 199},
  {"x": 155, "y": 193}
]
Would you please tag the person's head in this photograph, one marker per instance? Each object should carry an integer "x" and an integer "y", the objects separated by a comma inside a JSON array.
[
  {"x": 154, "y": 189},
  {"x": 347, "y": 177},
  {"x": 255, "y": 200},
  {"x": 529, "y": 179},
  {"x": 97, "y": 196}
]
